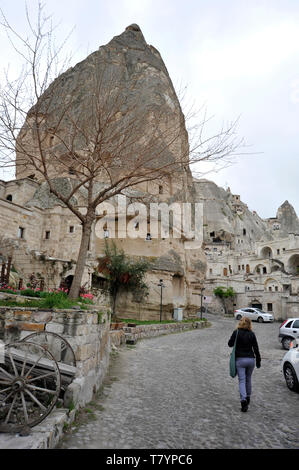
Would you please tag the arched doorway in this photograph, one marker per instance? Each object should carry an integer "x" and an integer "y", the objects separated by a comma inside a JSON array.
[
  {"x": 260, "y": 269},
  {"x": 293, "y": 264},
  {"x": 266, "y": 252},
  {"x": 256, "y": 304},
  {"x": 272, "y": 285},
  {"x": 67, "y": 282}
]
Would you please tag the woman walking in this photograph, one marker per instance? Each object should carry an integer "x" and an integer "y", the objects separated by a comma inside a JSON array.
[{"x": 247, "y": 356}]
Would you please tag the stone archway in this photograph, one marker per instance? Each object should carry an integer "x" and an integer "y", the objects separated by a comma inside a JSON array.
[
  {"x": 256, "y": 303},
  {"x": 293, "y": 264},
  {"x": 67, "y": 282},
  {"x": 272, "y": 285},
  {"x": 266, "y": 252},
  {"x": 260, "y": 269}
]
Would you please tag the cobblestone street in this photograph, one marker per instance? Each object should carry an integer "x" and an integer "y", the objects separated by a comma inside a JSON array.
[{"x": 175, "y": 392}]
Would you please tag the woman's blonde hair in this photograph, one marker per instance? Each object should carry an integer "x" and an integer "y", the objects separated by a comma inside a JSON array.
[{"x": 245, "y": 324}]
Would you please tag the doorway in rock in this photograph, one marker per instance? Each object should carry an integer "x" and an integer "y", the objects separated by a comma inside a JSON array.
[
  {"x": 256, "y": 305},
  {"x": 67, "y": 282}
]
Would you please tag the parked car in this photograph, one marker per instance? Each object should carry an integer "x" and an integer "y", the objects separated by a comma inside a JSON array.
[
  {"x": 290, "y": 366},
  {"x": 254, "y": 314},
  {"x": 288, "y": 331}
]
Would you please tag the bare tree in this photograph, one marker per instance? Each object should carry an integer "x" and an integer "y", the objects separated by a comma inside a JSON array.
[{"x": 105, "y": 140}]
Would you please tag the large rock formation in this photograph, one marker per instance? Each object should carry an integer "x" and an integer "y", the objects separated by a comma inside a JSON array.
[
  {"x": 227, "y": 218},
  {"x": 287, "y": 218},
  {"x": 122, "y": 91},
  {"x": 120, "y": 104}
]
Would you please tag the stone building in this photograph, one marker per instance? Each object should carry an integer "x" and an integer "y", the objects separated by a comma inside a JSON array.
[
  {"x": 42, "y": 236},
  {"x": 258, "y": 258}
]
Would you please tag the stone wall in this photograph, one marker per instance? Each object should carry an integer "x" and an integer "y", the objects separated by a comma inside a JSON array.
[
  {"x": 132, "y": 334},
  {"x": 54, "y": 231},
  {"x": 86, "y": 331}
]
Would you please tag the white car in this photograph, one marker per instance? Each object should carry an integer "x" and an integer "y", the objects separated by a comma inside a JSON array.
[
  {"x": 288, "y": 331},
  {"x": 290, "y": 366},
  {"x": 255, "y": 314}
]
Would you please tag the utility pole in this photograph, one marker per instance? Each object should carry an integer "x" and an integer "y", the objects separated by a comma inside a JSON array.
[
  {"x": 201, "y": 296},
  {"x": 161, "y": 285}
]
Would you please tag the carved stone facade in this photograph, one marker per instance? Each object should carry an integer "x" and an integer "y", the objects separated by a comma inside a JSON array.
[
  {"x": 258, "y": 258},
  {"x": 45, "y": 240}
]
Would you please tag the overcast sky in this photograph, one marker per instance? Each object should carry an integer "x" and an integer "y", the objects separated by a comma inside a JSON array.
[{"x": 236, "y": 57}]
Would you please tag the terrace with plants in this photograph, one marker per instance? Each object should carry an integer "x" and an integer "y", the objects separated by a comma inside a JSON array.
[{"x": 51, "y": 298}]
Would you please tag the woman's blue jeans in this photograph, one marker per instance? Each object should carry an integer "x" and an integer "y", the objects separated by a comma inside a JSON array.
[{"x": 245, "y": 367}]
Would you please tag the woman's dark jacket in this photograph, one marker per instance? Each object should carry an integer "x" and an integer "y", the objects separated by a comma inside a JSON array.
[{"x": 246, "y": 345}]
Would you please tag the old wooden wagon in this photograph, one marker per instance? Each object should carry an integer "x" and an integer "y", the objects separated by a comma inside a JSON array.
[{"x": 34, "y": 374}]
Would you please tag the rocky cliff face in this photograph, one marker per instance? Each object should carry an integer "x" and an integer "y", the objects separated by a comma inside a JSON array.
[
  {"x": 120, "y": 98},
  {"x": 227, "y": 218},
  {"x": 287, "y": 218}
]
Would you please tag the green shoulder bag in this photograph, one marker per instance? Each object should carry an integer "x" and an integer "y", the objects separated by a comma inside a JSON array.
[{"x": 232, "y": 360}]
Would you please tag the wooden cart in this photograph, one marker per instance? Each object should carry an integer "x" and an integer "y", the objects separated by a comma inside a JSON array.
[{"x": 34, "y": 374}]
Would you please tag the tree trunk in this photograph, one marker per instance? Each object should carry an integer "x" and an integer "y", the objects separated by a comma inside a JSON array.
[
  {"x": 76, "y": 284},
  {"x": 114, "y": 297},
  {"x": 224, "y": 306}
]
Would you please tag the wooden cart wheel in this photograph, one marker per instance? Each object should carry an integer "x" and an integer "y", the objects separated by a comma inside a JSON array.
[
  {"x": 29, "y": 384},
  {"x": 56, "y": 344}
]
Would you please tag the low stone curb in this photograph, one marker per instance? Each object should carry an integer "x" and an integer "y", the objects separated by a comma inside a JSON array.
[{"x": 46, "y": 435}]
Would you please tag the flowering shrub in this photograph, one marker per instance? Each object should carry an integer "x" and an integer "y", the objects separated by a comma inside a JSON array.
[
  {"x": 57, "y": 297},
  {"x": 87, "y": 298},
  {"x": 29, "y": 292},
  {"x": 8, "y": 289},
  {"x": 22, "y": 291},
  {"x": 60, "y": 290}
]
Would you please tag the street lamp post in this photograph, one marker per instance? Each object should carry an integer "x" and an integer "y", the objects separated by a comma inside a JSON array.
[
  {"x": 161, "y": 285},
  {"x": 201, "y": 296}
]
